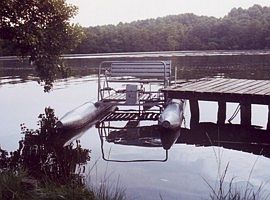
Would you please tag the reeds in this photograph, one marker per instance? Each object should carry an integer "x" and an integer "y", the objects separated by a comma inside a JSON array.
[
  {"x": 230, "y": 190},
  {"x": 104, "y": 187}
]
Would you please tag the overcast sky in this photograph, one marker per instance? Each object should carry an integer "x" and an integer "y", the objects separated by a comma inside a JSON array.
[{"x": 101, "y": 12}]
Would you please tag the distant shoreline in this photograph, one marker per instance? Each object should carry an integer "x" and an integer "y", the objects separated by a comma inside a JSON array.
[{"x": 158, "y": 54}]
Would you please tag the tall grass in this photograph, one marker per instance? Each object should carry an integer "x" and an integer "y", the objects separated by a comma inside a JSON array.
[
  {"x": 16, "y": 186},
  {"x": 11, "y": 186},
  {"x": 109, "y": 191},
  {"x": 230, "y": 190},
  {"x": 104, "y": 187}
]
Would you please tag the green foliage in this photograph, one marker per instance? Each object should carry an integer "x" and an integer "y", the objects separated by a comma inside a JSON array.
[
  {"x": 11, "y": 186},
  {"x": 51, "y": 190},
  {"x": 41, "y": 30},
  {"x": 40, "y": 155},
  {"x": 240, "y": 29},
  {"x": 18, "y": 186}
]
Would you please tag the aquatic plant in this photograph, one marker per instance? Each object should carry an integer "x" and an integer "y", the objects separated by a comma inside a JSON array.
[
  {"x": 224, "y": 190},
  {"x": 104, "y": 188},
  {"x": 41, "y": 155},
  {"x": 232, "y": 191}
]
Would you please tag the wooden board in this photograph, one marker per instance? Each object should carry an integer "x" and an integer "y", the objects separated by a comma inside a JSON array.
[{"x": 217, "y": 89}]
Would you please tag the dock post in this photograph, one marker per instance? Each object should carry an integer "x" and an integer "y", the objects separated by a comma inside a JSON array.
[
  {"x": 268, "y": 121},
  {"x": 221, "y": 115},
  {"x": 245, "y": 110},
  {"x": 195, "y": 112}
]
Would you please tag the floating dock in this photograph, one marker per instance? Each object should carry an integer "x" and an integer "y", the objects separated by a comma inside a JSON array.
[{"x": 242, "y": 91}]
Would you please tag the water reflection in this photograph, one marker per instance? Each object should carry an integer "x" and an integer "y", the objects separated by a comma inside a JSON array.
[
  {"x": 145, "y": 136},
  {"x": 230, "y": 136}
]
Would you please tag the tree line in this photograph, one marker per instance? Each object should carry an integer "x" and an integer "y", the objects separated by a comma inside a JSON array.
[{"x": 239, "y": 29}]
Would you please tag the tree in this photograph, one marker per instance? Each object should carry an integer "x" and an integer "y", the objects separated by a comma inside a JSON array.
[{"x": 40, "y": 30}]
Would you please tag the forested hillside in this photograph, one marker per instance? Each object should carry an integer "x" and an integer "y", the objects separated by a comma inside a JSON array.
[{"x": 240, "y": 29}]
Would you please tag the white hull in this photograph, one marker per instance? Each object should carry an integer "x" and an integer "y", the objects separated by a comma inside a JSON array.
[
  {"x": 173, "y": 114},
  {"x": 82, "y": 115}
]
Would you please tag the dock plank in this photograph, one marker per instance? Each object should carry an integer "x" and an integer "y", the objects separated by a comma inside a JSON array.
[
  {"x": 194, "y": 82},
  {"x": 244, "y": 86},
  {"x": 265, "y": 91},
  {"x": 249, "y": 84},
  {"x": 223, "y": 86},
  {"x": 265, "y": 87},
  {"x": 202, "y": 84},
  {"x": 207, "y": 86},
  {"x": 250, "y": 89},
  {"x": 231, "y": 88},
  {"x": 216, "y": 89}
]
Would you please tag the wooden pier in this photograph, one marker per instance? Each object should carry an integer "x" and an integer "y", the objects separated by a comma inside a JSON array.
[{"x": 222, "y": 90}]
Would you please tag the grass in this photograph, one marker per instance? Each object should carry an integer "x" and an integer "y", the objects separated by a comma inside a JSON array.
[
  {"x": 104, "y": 188},
  {"x": 11, "y": 186},
  {"x": 230, "y": 190},
  {"x": 16, "y": 186},
  {"x": 106, "y": 191}
]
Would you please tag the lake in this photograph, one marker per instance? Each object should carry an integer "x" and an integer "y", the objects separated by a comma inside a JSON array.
[{"x": 192, "y": 163}]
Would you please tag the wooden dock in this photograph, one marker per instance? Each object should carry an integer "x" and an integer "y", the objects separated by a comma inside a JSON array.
[{"x": 242, "y": 91}]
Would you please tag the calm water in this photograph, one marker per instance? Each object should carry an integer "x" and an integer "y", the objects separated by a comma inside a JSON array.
[{"x": 191, "y": 160}]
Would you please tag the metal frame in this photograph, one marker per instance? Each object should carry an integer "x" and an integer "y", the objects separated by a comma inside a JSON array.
[
  {"x": 103, "y": 135},
  {"x": 166, "y": 80}
]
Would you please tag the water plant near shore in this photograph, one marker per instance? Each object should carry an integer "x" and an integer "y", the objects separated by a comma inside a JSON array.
[{"x": 230, "y": 190}]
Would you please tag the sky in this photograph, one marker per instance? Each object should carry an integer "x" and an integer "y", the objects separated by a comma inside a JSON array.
[{"x": 103, "y": 12}]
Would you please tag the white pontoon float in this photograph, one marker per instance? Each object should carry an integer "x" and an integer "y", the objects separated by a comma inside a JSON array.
[{"x": 83, "y": 115}]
